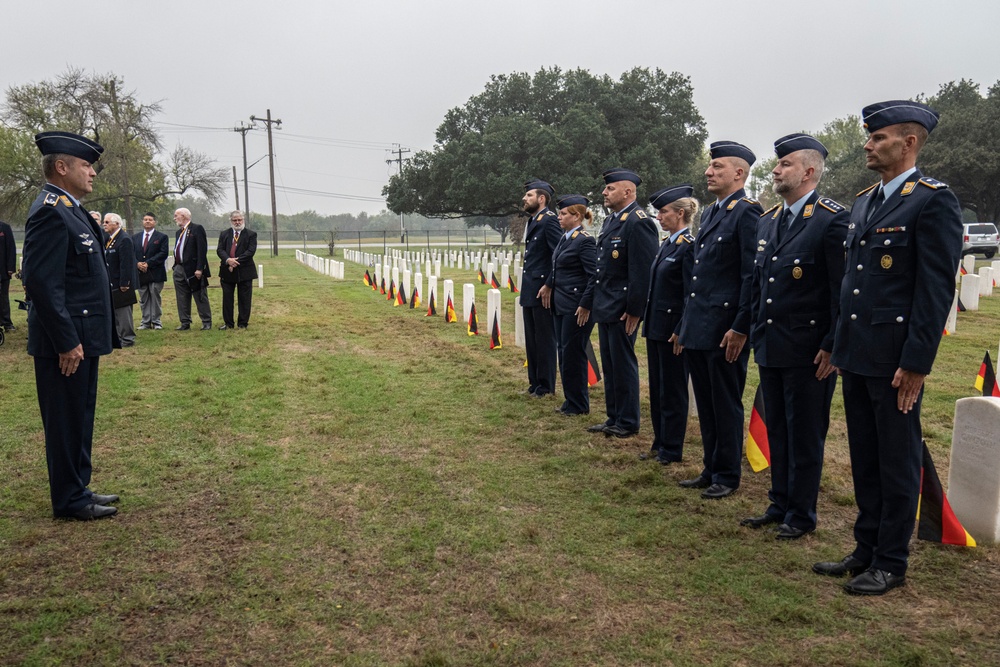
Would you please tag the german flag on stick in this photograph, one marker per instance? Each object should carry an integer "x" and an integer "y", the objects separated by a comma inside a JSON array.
[
  {"x": 473, "y": 322},
  {"x": 593, "y": 370},
  {"x": 758, "y": 450},
  {"x": 494, "y": 283},
  {"x": 482, "y": 277},
  {"x": 400, "y": 297},
  {"x": 431, "y": 307},
  {"x": 510, "y": 284},
  {"x": 415, "y": 299},
  {"x": 449, "y": 313},
  {"x": 367, "y": 280},
  {"x": 495, "y": 335},
  {"x": 391, "y": 295},
  {"x": 986, "y": 381},
  {"x": 382, "y": 288},
  {"x": 938, "y": 522}
]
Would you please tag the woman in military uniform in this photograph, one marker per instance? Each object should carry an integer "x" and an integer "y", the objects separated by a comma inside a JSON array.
[
  {"x": 669, "y": 280},
  {"x": 573, "y": 263}
]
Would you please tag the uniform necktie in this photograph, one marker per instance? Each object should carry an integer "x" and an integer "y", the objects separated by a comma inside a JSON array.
[
  {"x": 876, "y": 203},
  {"x": 786, "y": 218}
]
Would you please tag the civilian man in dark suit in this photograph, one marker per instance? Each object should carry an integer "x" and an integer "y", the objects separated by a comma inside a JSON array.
[
  {"x": 70, "y": 321},
  {"x": 541, "y": 235},
  {"x": 151, "y": 250},
  {"x": 669, "y": 282},
  {"x": 903, "y": 246},
  {"x": 237, "y": 272},
  {"x": 717, "y": 317},
  {"x": 191, "y": 271},
  {"x": 120, "y": 258},
  {"x": 616, "y": 298},
  {"x": 795, "y": 300},
  {"x": 8, "y": 265}
]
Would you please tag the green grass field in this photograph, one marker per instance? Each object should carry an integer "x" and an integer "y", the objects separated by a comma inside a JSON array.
[{"x": 349, "y": 483}]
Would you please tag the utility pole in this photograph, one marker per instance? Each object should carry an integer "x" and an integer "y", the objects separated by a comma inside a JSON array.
[
  {"x": 270, "y": 156},
  {"x": 243, "y": 129},
  {"x": 399, "y": 150},
  {"x": 236, "y": 188}
]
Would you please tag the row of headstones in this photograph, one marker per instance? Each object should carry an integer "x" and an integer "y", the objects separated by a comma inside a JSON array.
[
  {"x": 973, "y": 285},
  {"x": 325, "y": 265},
  {"x": 433, "y": 261}
]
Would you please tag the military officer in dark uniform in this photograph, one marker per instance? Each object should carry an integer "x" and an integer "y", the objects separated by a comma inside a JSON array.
[
  {"x": 573, "y": 264},
  {"x": 669, "y": 282},
  {"x": 903, "y": 245},
  {"x": 796, "y": 295},
  {"x": 70, "y": 321},
  {"x": 616, "y": 298},
  {"x": 716, "y": 318},
  {"x": 541, "y": 235}
]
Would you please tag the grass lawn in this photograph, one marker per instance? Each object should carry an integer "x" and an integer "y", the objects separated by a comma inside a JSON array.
[{"x": 349, "y": 483}]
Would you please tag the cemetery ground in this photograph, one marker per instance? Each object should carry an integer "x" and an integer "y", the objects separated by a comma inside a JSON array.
[{"x": 351, "y": 483}]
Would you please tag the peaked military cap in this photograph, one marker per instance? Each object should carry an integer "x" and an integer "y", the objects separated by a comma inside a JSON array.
[
  {"x": 538, "y": 184},
  {"x": 67, "y": 143},
  {"x": 798, "y": 142},
  {"x": 661, "y": 198},
  {"x": 570, "y": 200},
  {"x": 883, "y": 114},
  {"x": 620, "y": 174},
  {"x": 731, "y": 149}
]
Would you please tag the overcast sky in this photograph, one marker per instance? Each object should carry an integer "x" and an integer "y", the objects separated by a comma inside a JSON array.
[{"x": 348, "y": 79}]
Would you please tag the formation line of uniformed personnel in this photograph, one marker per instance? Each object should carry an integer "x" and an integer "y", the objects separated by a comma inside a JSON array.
[{"x": 816, "y": 290}]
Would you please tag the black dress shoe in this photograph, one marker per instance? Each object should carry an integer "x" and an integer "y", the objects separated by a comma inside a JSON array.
[
  {"x": 618, "y": 432},
  {"x": 597, "y": 428},
  {"x": 696, "y": 483},
  {"x": 716, "y": 491},
  {"x": 874, "y": 582},
  {"x": 759, "y": 521},
  {"x": 90, "y": 512},
  {"x": 241, "y": 326},
  {"x": 206, "y": 327},
  {"x": 103, "y": 500},
  {"x": 786, "y": 532},
  {"x": 570, "y": 413},
  {"x": 850, "y": 565},
  {"x": 665, "y": 461},
  {"x": 224, "y": 327},
  {"x": 183, "y": 327},
  {"x": 651, "y": 455}
]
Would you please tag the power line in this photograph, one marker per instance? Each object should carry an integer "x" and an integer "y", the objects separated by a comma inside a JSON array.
[{"x": 315, "y": 193}]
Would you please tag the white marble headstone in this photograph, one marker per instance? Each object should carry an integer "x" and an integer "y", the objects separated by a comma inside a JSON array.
[{"x": 974, "y": 476}]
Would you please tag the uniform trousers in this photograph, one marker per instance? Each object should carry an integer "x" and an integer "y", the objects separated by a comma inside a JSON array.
[
  {"x": 5, "y": 320},
  {"x": 149, "y": 303},
  {"x": 886, "y": 456},
  {"x": 668, "y": 398},
  {"x": 184, "y": 296},
  {"x": 718, "y": 393},
  {"x": 621, "y": 375},
  {"x": 540, "y": 349},
  {"x": 244, "y": 294},
  {"x": 797, "y": 416},
  {"x": 125, "y": 325},
  {"x": 67, "y": 407},
  {"x": 573, "y": 341}
]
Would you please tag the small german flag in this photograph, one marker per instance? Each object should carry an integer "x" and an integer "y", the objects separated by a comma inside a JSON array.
[
  {"x": 432, "y": 307},
  {"x": 415, "y": 299},
  {"x": 510, "y": 284},
  {"x": 961, "y": 269},
  {"x": 367, "y": 279},
  {"x": 495, "y": 335},
  {"x": 758, "y": 450},
  {"x": 473, "y": 322},
  {"x": 986, "y": 381},
  {"x": 449, "y": 313},
  {"x": 400, "y": 297},
  {"x": 482, "y": 277},
  {"x": 593, "y": 370},
  {"x": 938, "y": 522},
  {"x": 382, "y": 287},
  {"x": 961, "y": 306},
  {"x": 391, "y": 295},
  {"x": 494, "y": 283}
]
